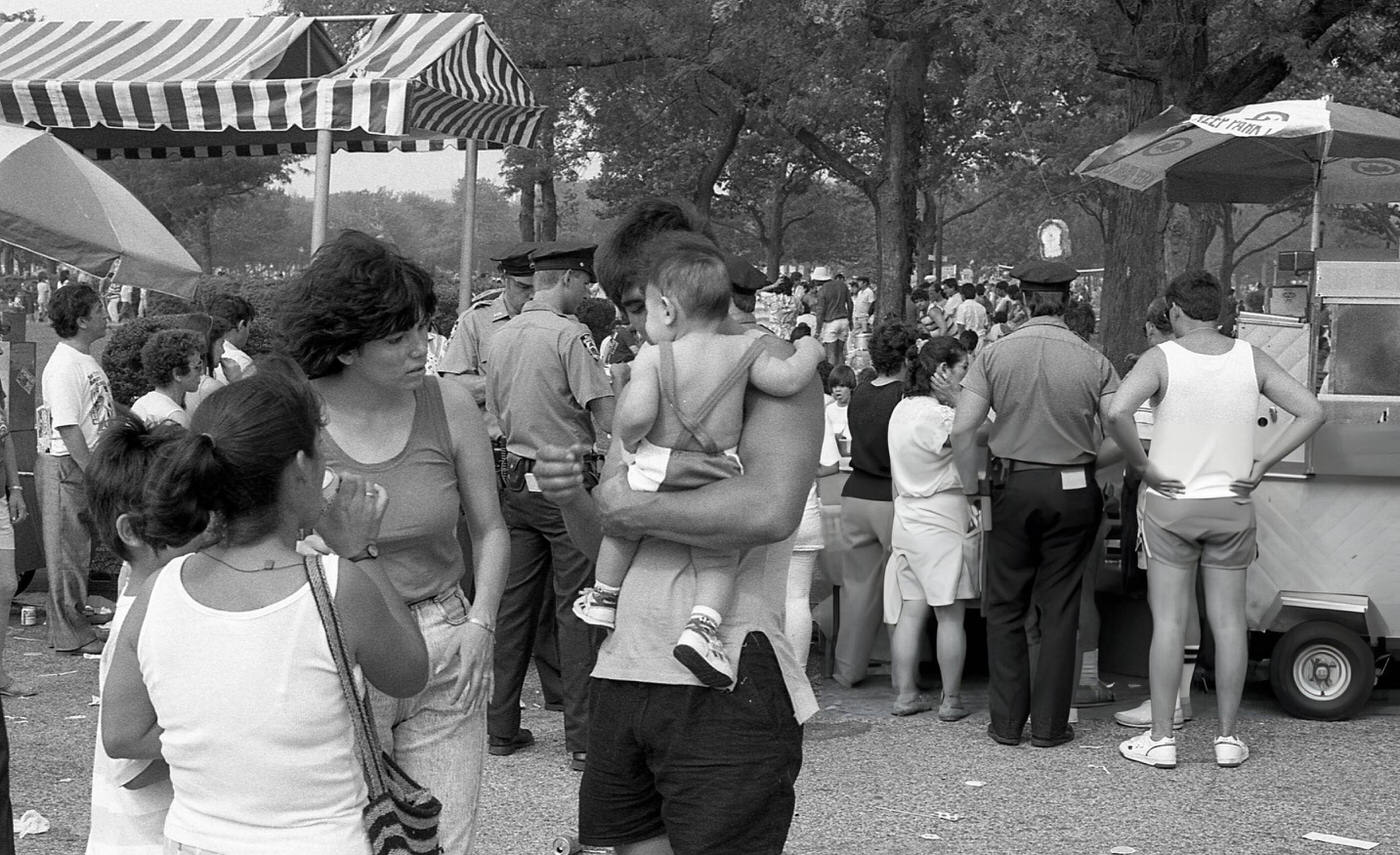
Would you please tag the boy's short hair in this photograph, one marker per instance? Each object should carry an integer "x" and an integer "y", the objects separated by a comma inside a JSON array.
[
  {"x": 232, "y": 308},
  {"x": 690, "y": 270},
  {"x": 167, "y": 353},
  {"x": 116, "y": 477},
  {"x": 1198, "y": 294},
  {"x": 71, "y": 304}
]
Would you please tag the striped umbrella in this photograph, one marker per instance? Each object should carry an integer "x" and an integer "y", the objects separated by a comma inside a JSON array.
[{"x": 58, "y": 204}]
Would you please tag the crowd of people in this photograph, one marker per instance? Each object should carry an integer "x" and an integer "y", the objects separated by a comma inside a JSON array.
[{"x": 644, "y": 528}]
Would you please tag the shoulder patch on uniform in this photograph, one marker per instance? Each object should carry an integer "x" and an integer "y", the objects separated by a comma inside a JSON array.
[{"x": 590, "y": 346}]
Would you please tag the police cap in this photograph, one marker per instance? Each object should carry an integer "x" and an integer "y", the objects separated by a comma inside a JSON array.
[
  {"x": 1045, "y": 275},
  {"x": 564, "y": 255},
  {"x": 516, "y": 260},
  {"x": 744, "y": 276}
]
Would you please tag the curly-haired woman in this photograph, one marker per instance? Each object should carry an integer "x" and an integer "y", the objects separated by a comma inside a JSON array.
[{"x": 357, "y": 321}]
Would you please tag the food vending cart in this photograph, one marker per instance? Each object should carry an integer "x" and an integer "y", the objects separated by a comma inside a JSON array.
[{"x": 1324, "y": 593}]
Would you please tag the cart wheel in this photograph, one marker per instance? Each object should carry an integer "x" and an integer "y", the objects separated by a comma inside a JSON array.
[{"x": 1320, "y": 670}]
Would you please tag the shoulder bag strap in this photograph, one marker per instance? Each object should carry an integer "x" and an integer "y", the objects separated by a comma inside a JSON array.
[{"x": 361, "y": 719}]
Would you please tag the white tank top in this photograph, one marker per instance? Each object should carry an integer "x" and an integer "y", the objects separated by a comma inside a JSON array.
[
  {"x": 255, "y": 728},
  {"x": 1203, "y": 433}
]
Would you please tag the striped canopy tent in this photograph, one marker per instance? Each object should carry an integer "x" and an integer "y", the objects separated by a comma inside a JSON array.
[{"x": 266, "y": 86}]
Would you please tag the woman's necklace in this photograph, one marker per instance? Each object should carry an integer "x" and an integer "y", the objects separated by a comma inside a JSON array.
[{"x": 267, "y": 565}]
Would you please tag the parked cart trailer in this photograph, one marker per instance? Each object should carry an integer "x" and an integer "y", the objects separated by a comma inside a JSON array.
[{"x": 1325, "y": 588}]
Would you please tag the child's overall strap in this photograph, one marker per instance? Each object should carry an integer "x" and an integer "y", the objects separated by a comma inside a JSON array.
[{"x": 695, "y": 423}]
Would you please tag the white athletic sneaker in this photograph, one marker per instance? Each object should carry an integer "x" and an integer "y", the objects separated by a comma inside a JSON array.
[
  {"x": 1153, "y": 752},
  {"x": 700, "y": 650},
  {"x": 1141, "y": 715},
  {"x": 1230, "y": 751},
  {"x": 592, "y": 608}
]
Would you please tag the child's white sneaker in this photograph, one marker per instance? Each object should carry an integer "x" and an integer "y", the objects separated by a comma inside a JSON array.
[
  {"x": 1152, "y": 752},
  {"x": 1230, "y": 751},
  {"x": 596, "y": 608},
  {"x": 700, "y": 650}
]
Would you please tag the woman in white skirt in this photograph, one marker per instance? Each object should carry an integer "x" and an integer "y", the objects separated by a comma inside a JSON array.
[{"x": 931, "y": 523}]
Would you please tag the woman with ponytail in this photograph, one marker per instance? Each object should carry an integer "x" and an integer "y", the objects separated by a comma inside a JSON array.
[
  {"x": 926, "y": 567},
  {"x": 222, "y": 666}
]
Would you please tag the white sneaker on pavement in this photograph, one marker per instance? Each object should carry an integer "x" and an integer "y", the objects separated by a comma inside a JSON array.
[
  {"x": 1230, "y": 751},
  {"x": 1141, "y": 715},
  {"x": 1152, "y": 752}
]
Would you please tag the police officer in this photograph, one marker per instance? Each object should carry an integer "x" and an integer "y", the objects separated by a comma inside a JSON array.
[
  {"x": 1050, "y": 391},
  {"x": 464, "y": 362},
  {"x": 545, "y": 386},
  {"x": 465, "y": 356},
  {"x": 745, "y": 281}
]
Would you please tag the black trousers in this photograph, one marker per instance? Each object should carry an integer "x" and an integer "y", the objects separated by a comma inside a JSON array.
[
  {"x": 545, "y": 568},
  {"x": 1041, "y": 534}
]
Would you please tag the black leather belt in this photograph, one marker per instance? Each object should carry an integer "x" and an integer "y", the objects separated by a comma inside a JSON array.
[{"x": 1026, "y": 465}]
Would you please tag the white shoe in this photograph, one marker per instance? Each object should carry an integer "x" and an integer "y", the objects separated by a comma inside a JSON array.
[
  {"x": 590, "y": 608},
  {"x": 700, "y": 650},
  {"x": 1152, "y": 752},
  {"x": 1230, "y": 751},
  {"x": 1141, "y": 716}
]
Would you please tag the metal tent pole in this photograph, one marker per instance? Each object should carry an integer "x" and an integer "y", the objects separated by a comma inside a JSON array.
[
  {"x": 464, "y": 266},
  {"x": 321, "y": 205}
]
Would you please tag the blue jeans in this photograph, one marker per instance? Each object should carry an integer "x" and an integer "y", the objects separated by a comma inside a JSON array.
[
  {"x": 67, "y": 549},
  {"x": 435, "y": 742}
]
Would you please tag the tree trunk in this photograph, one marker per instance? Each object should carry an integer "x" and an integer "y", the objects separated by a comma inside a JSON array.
[
  {"x": 896, "y": 208},
  {"x": 526, "y": 218},
  {"x": 927, "y": 246},
  {"x": 206, "y": 237},
  {"x": 547, "y": 213},
  {"x": 714, "y": 167},
  {"x": 1133, "y": 269},
  {"x": 548, "y": 225},
  {"x": 773, "y": 232}
]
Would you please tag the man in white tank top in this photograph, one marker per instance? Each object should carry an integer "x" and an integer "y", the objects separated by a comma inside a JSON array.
[{"x": 1197, "y": 509}]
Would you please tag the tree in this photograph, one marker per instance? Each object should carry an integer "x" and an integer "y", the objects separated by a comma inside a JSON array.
[{"x": 187, "y": 195}]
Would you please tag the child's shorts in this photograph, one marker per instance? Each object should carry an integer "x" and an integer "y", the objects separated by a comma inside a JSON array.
[{"x": 656, "y": 469}]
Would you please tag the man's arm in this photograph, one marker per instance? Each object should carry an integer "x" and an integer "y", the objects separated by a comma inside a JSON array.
[
  {"x": 76, "y": 444},
  {"x": 472, "y": 384},
  {"x": 971, "y": 412},
  {"x": 602, "y": 411},
  {"x": 1148, "y": 377},
  {"x": 780, "y": 445}
]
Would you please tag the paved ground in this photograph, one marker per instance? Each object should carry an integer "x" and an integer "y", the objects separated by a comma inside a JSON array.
[{"x": 872, "y": 783}]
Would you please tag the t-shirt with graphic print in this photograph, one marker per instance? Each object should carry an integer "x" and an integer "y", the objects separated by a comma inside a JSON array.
[{"x": 76, "y": 392}]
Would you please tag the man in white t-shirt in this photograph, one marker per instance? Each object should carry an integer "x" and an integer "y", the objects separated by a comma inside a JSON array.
[
  {"x": 78, "y": 399},
  {"x": 233, "y": 363},
  {"x": 970, "y": 314}
]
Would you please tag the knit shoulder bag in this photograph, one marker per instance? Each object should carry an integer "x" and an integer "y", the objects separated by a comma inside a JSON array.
[{"x": 401, "y": 817}]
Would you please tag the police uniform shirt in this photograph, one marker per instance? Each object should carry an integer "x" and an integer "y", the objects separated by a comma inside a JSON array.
[
  {"x": 1045, "y": 383},
  {"x": 471, "y": 339},
  {"x": 544, "y": 373}
]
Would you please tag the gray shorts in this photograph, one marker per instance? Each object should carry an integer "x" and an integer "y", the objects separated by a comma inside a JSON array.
[{"x": 1216, "y": 533}]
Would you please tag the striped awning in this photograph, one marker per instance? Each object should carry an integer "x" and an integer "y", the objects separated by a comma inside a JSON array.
[{"x": 266, "y": 85}]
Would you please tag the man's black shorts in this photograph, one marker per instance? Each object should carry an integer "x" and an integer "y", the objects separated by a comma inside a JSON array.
[{"x": 711, "y": 770}]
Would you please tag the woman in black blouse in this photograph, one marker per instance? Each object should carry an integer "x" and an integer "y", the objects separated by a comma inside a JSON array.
[{"x": 867, "y": 502}]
